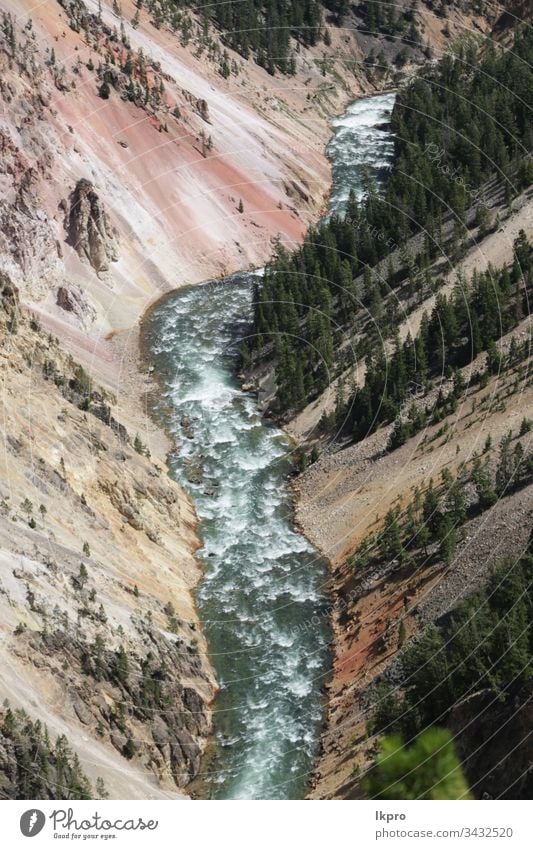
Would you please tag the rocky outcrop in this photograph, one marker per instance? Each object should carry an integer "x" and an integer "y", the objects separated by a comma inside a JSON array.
[
  {"x": 27, "y": 240},
  {"x": 89, "y": 229},
  {"x": 133, "y": 696},
  {"x": 383, "y": 605},
  {"x": 72, "y": 299}
]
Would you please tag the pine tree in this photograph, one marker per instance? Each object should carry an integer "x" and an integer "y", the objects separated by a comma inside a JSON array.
[
  {"x": 448, "y": 539},
  {"x": 122, "y": 665},
  {"x": 390, "y": 540},
  {"x": 101, "y": 790},
  {"x": 485, "y": 491},
  {"x": 428, "y": 769}
]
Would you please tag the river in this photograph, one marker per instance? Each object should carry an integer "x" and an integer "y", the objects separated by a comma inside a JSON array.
[
  {"x": 361, "y": 142},
  {"x": 261, "y": 602}
]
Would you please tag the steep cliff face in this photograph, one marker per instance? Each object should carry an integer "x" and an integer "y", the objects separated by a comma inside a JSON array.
[{"x": 97, "y": 567}]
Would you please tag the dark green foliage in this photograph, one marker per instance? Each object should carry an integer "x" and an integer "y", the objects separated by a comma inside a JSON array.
[
  {"x": 456, "y": 502},
  {"x": 361, "y": 558},
  {"x": 153, "y": 694},
  {"x": 431, "y": 511},
  {"x": 338, "y": 8},
  {"x": 98, "y": 666},
  {"x": 448, "y": 539},
  {"x": 81, "y": 383},
  {"x": 264, "y": 29},
  {"x": 505, "y": 470},
  {"x": 460, "y": 327},
  {"x": 8, "y": 292},
  {"x": 34, "y": 767},
  {"x": 485, "y": 646},
  {"x": 389, "y": 19},
  {"x": 129, "y": 749},
  {"x": 173, "y": 621},
  {"x": 427, "y": 769},
  {"x": 296, "y": 315},
  {"x": 483, "y": 483},
  {"x": 525, "y": 426},
  {"x": 430, "y": 527},
  {"x": 122, "y": 665},
  {"x": 8, "y": 30},
  {"x": 457, "y": 126},
  {"x": 390, "y": 542},
  {"x": 81, "y": 578},
  {"x": 104, "y": 89}
]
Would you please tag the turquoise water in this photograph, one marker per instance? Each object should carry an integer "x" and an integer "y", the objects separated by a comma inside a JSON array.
[
  {"x": 361, "y": 142},
  {"x": 262, "y": 601}
]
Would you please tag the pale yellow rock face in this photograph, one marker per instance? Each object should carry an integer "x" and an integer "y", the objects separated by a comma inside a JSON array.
[{"x": 94, "y": 500}]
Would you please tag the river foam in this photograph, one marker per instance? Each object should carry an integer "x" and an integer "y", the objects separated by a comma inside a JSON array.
[
  {"x": 362, "y": 141},
  {"x": 262, "y": 601},
  {"x": 263, "y": 581}
]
